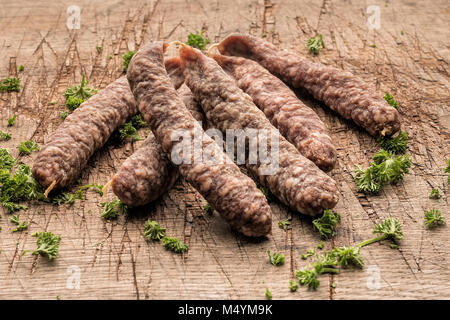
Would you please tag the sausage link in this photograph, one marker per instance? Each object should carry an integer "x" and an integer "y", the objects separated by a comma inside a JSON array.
[
  {"x": 148, "y": 172},
  {"x": 297, "y": 182},
  {"x": 298, "y": 123},
  {"x": 230, "y": 192},
  {"x": 84, "y": 131},
  {"x": 342, "y": 91}
]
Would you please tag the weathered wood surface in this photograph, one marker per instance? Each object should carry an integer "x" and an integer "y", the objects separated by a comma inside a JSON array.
[{"x": 410, "y": 61}]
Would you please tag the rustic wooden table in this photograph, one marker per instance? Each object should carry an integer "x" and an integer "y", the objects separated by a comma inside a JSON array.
[{"x": 410, "y": 59}]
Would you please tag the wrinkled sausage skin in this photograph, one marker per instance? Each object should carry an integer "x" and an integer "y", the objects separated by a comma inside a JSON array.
[
  {"x": 340, "y": 90},
  {"x": 298, "y": 123},
  {"x": 230, "y": 192},
  {"x": 69, "y": 148},
  {"x": 298, "y": 182}
]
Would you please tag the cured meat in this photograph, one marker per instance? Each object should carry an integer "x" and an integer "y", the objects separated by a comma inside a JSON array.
[
  {"x": 342, "y": 91},
  {"x": 60, "y": 161},
  {"x": 298, "y": 123},
  {"x": 297, "y": 181},
  {"x": 230, "y": 192}
]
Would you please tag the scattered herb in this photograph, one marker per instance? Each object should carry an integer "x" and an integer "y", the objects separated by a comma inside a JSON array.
[
  {"x": 138, "y": 121},
  {"x": 12, "y": 120},
  {"x": 447, "y": 170},
  {"x": 284, "y": 224},
  {"x": 27, "y": 147},
  {"x": 67, "y": 198},
  {"x": 4, "y": 136},
  {"x": 326, "y": 225},
  {"x": 111, "y": 210},
  {"x": 320, "y": 245},
  {"x": 21, "y": 68},
  {"x": 315, "y": 44},
  {"x": 277, "y": 259},
  {"x": 266, "y": 192},
  {"x": 173, "y": 244},
  {"x": 126, "y": 58},
  {"x": 97, "y": 187},
  {"x": 99, "y": 49},
  {"x": 52, "y": 103},
  {"x": 208, "y": 209},
  {"x": 48, "y": 244},
  {"x": 20, "y": 225},
  {"x": 17, "y": 187},
  {"x": 309, "y": 253},
  {"x": 333, "y": 285},
  {"x": 153, "y": 231},
  {"x": 434, "y": 194},
  {"x": 264, "y": 35},
  {"x": 390, "y": 100},
  {"x": 348, "y": 256},
  {"x": 10, "y": 85},
  {"x": 6, "y": 160},
  {"x": 197, "y": 40},
  {"x": 81, "y": 91},
  {"x": 373, "y": 45},
  {"x": 293, "y": 285},
  {"x": 433, "y": 218},
  {"x": 73, "y": 103},
  {"x": 268, "y": 294},
  {"x": 390, "y": 229},
  {"x": 386, "y": 168},
  {"x": 63, "y": 114},
  {"x": 110, "y": 56},
  {"x": 128, "y": 131},
  {"x": 396, "y": 144}
]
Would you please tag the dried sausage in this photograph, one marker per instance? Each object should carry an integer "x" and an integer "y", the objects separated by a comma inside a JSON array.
[
  {"x": 297, "y": 182},
  {"x": 342, "y": 91},
  {"x": 230, "y": 192},
  {"x": 69, "y": 148},
  {"x": 298, "y": 123}
]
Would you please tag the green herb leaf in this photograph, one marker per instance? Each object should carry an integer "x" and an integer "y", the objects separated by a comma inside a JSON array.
[
  {"x": 268, "y": 294},
  {"x": 12, "y": 120},
  {"x": 208, "y": 209},
  {"x": 111, "y": 210},
  {"x": 81, "y": 91},
  {"x": 277, "y": 259},
  {"x": 126, "y": 58},
  {"x": 6, "y": 161},
  {"x": 4, "y": 136},
  {"x": 434, "y": 194},
  {"x": 20, "y": 225},
  {"x": 390, "y": 100},
  {"x": 434, "y": 218},
  {"x": 10, "y": 84},
  {"x": 73, "y": 103},
  {"x": 397, "y": 144},
  {"x": 315, "y": 44},
  {"x": 326, "y": 225},
  {"x": 173, "y": 244},
  {"x": 27, "y": 147},
  {"x": 48, "y": 245},
  {"x": 284, "y": 224},
  {"x": 197, "y": 40},
  {"x": 293, "y": 285},
  {"x": 20, "y": 68},
  {"x": 153, "y": 231}
]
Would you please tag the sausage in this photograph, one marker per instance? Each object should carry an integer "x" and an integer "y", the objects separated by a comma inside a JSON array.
[
  {"x": 148, "y": 172},
  {"x": 68, "y": 149},
  {"x": 340, "y": 90},
  {"x": 297, "y": 182},
  {"x": 229, "y": 191},
  {"x": 298, "y": 123}
]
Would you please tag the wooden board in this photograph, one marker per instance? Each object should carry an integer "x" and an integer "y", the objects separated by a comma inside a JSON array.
[{"x": 114, "y": 261}]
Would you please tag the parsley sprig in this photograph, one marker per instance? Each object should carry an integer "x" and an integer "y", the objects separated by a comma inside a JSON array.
[
  {"x": 153, "y": 231},
  {"x": 10, "y": 84},
  {"x": 197, "y": 40},
  {"x": 112, "y": 210},
  {"x": 390, "y": 100},
  {"x": 397, "y": 144},
  {"x": 126, "y": 58},
  {"x": 27, "y": 147},
  {"x": 174, "y": 244},
  {"x": 314, "y": 44},
  {"x": 326, "y": 225},
  {"x": 277, "y": 259},
  {"x": 434, "y": 218},
  {"x": 48, "y": 245}
]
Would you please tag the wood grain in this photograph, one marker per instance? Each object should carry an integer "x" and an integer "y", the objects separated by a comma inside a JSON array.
[{"x": 411, "y": 61}]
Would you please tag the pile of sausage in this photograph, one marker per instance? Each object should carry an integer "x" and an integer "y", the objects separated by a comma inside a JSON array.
[{"x": 244, "y": 87}]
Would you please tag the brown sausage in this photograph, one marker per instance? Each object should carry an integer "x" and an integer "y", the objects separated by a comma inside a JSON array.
[
  {"x": 298, "y": 182},
  {"x": 298, "y": 123},
  {"x": 83, "y": 132},
  {"x": 342, "y": 91},
  {"x": 230, "y": 192}
]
